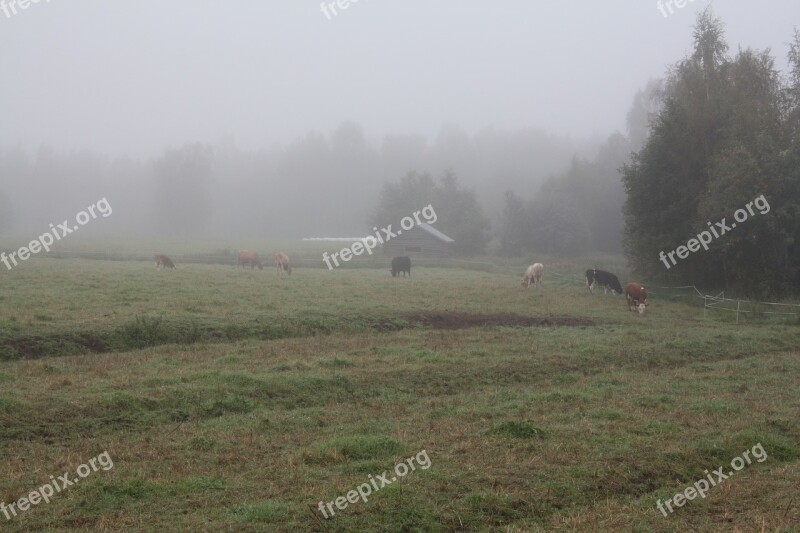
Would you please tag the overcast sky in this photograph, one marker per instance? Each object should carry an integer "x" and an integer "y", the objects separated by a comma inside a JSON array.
[{"x": 133, "y": 77}]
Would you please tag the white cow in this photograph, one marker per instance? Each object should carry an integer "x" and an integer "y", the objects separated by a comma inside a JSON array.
[{"x": 533, "y": 274}]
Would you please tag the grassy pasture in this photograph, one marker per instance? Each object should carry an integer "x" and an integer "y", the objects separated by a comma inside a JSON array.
[{"x": 235, "y": 400}]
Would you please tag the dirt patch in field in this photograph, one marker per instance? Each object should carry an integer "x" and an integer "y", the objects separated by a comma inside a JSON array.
[
  {"x": 448, "y": 320},
  {"x": 24, "y": 348},
  {"x": 35, "y": 347},
  {"x": 93, "y": 344}
]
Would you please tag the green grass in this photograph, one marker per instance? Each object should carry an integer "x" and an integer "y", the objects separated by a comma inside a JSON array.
[{"x": 236, "y": 400}]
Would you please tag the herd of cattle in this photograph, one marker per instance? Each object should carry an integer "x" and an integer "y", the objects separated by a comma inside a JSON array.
[
  {"x": 635, "y": 294},
  {"x": 243, "y": 259},
  {"x": 252, "y": 259}
]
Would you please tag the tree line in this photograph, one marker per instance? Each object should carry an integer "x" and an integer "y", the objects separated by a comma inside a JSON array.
[
  {"x": 321, "y": 184},
  {"x": 728, "y": 131}
]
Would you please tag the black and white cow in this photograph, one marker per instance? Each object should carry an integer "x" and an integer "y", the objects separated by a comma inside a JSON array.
[{"x": 606, "y": 279}]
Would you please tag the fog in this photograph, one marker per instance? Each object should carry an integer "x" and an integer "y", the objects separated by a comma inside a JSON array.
[{"x": 297, "y": 118}]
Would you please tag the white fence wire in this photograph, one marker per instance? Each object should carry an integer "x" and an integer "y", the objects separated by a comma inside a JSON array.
[{"x": 718, "y": 303}]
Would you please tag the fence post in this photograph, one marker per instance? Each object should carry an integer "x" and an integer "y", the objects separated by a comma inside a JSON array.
[
  {"x": 704, "y": 306},
  {"x": 737, "y": 310}
]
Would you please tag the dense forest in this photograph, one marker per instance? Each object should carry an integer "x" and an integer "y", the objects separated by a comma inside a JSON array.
[{"x": 728, "y": 131}]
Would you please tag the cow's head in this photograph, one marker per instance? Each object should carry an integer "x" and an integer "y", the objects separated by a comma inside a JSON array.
[
  {"x": 639, "y": 306},
  {"x": 526, "y": 282}
]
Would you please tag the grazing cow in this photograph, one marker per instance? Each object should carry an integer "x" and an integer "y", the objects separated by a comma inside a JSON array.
[
  {"x": 249, "y": 258},
  {"x": 163, "y": 261},
  {"x": 282, "y": 262},
  {"x": 637, "y": 297},
  {"x": 401, "y": 264},
  {"x": 601, "y": 277},
  {"x": 533, "y": 273}
]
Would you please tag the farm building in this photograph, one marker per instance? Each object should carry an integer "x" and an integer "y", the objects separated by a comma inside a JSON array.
[{"x": 422, "y": 240}]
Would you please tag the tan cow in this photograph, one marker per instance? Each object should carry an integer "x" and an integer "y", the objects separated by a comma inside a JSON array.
[
  {"x": 282, "y": 263},
  {"x": 636, "y": 296},
  {"x": 247, "y": 257},
  {"x": 533, "y": 274},
  {"x": 163, "y": 261}
]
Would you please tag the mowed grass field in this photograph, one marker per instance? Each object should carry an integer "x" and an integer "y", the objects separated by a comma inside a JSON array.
[{"x": 234, "y": 400}]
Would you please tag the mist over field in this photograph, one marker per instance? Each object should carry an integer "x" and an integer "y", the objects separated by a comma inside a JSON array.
[
  {"x": 295, "y": 119},
  {"x": 383, "y": 265}
]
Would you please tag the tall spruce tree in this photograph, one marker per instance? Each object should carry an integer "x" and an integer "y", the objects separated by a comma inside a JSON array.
[
  {"x": 790, "y": 163},
  {"x": 665, "y": 179}
]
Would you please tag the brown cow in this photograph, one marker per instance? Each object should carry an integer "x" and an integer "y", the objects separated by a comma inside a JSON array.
[
  {"x": 282, "y": 262},
  {"x": 533, "y": 273},
  {"x": 247, "y": 257},
  {"x": 163, "y": 261},
  {"x": 636, "y": 296}
]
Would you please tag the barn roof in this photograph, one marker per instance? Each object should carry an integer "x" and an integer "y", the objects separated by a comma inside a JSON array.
[{"x": 435, "y": 232}]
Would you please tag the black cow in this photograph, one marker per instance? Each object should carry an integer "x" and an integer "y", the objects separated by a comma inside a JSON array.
[
  {"x": 606, "y": 279},
  {"x": 401, "y": 264}
]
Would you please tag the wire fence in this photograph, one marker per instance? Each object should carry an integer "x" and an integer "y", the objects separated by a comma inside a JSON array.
[{"x": 735, "y": 305}]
